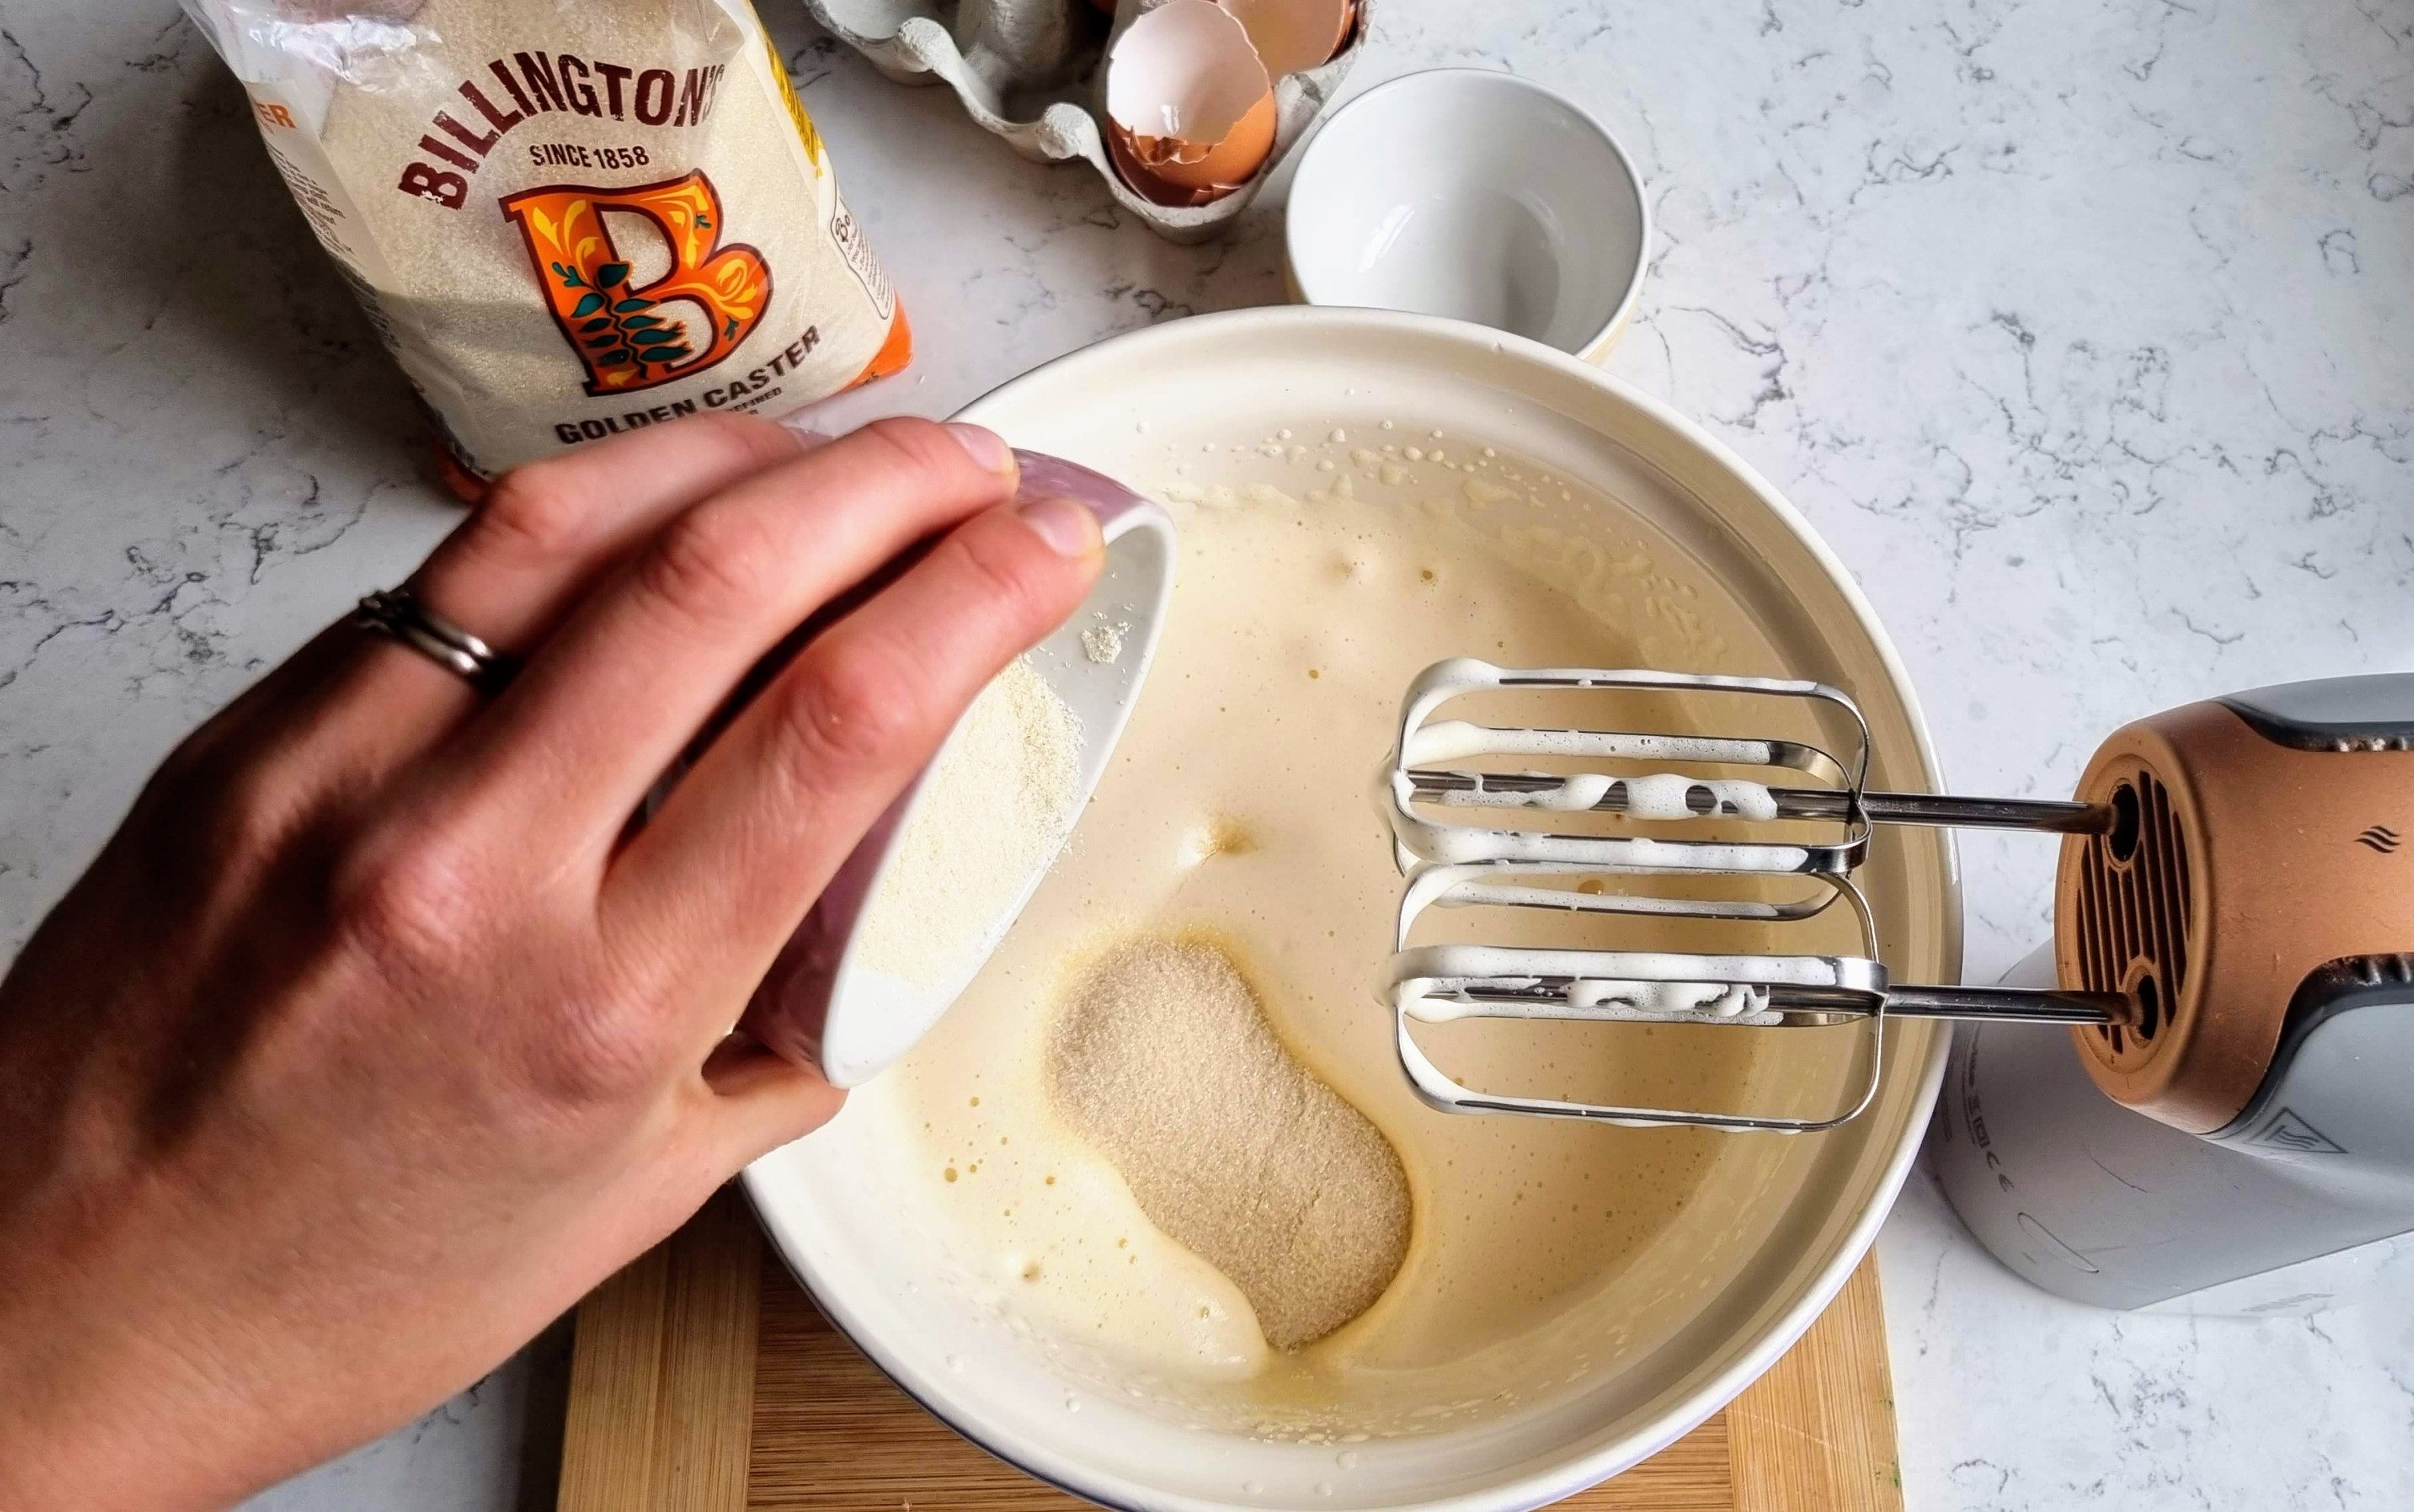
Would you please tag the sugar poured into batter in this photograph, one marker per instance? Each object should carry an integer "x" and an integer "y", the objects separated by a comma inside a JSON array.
[
  {"x": 1235, "y": 811},
  {"x": 1161, "y": 1058}
]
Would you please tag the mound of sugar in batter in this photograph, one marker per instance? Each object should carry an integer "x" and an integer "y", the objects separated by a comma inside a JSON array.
[{"x": 1163, "y": 1059}]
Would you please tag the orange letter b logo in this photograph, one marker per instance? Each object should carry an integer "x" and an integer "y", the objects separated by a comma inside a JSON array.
[{"x": 682, "y": 323}]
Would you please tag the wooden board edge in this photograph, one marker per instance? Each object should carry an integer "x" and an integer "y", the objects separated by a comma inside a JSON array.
[
  {"x": 662, "y": 1391},
  {"x": 662, "y": 1374},
  {"x": 1818, "y": 1429}
]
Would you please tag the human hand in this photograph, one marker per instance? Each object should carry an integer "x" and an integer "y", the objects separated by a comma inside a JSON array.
[{"x": 376, "y": 1037}]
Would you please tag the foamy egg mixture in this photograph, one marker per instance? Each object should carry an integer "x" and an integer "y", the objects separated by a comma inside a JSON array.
[{"x": 1234, "y": 853}]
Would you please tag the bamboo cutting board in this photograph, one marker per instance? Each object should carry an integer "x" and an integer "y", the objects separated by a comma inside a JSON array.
[{"x": 703, "y": 1381}]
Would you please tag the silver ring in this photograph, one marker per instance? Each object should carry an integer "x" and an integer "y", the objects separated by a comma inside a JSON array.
[{"x": 397, "y": 612}]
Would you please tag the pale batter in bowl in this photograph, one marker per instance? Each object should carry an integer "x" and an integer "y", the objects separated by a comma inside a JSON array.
[{"x": 1237, "y": 808}]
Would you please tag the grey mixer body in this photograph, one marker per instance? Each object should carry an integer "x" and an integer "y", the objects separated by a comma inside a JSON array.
[{"x": 2268, "y": 1119}]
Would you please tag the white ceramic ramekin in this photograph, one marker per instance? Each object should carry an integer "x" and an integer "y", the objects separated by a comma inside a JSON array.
[
  {"x": 1475, "y": 195},
  {"x": 838, "y": 1203},
  {"x": 819, "y": 1005}
]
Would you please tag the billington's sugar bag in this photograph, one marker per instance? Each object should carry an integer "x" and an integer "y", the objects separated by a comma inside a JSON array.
[{"x": 567, "y": 218}]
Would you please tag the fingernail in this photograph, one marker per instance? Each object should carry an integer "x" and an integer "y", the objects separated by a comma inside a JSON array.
[
  {"x": 1069, "y": 528},
  {"x": 985, "y": 446},
  {"x": 808, "y": 435}
]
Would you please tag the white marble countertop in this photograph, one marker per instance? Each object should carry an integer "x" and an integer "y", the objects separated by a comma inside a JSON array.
[{"x": 2080, "y": 329}]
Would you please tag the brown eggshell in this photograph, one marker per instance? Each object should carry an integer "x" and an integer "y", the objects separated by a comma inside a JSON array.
[
  {"x": 1150, "y": 185},
  {"x": 1190, "y": 109},
  {"x": 1144, "y": 183},
  {"x": 1220, "y": 167},
  {"x": 1294, "y": 36}
]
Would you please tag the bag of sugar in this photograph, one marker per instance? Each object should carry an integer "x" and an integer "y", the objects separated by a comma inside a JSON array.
[{"x": 567, "y": 220}]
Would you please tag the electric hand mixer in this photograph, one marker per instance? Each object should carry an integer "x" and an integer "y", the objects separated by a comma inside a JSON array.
[{"x": 2232, "y": 913}]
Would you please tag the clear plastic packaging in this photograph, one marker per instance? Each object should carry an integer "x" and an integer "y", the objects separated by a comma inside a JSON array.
[{"x": 567, "y": 218}]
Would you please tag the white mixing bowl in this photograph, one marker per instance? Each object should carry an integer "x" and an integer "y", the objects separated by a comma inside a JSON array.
[{"x": 835, "y": 1204}]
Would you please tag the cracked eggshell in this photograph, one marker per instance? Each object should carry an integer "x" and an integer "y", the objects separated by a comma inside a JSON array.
[
  {"x": 1294, "y": 36},
  {"x": 916, "y": 42},
  {"x": 1190, "y": 106}
]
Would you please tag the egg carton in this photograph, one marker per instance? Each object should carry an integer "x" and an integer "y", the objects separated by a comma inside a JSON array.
[{"x": 1033, "y": 72}]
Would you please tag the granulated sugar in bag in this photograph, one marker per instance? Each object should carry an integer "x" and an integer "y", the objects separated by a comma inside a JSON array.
[{"x": 567, "y": 218}]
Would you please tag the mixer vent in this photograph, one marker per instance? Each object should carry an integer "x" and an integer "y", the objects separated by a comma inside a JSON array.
[
  {"x": 2375, "y": 970},
  {"x": 2133, "y": 911}
]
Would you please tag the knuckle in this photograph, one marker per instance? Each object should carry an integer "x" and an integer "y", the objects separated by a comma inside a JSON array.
[
  {"x": 534, "y": 514},
  {"x": 1005, "y": 575},
  {"x": 922, "y": 446},
  {"x": 416, "y": 904},
  {"x": 750, "y": 436},
  {"x": 250, "y": 810},
  {"x": 184, "y": 773},
  {"x": 597, "y": 1055},
  {"x": 853, "y": 706},
  {"x": 710, "y": 563}
]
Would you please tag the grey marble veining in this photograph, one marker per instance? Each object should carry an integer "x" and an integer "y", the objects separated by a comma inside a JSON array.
[{"x": 2080, "y": 329}]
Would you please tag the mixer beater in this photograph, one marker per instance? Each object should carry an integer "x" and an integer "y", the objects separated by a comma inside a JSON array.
[{"x": 1431, "y": 798}]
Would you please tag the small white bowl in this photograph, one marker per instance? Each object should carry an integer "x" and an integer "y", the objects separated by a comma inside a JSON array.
[
  {"x": 821, "y": 1007},
  {"x": 1475, "y": 195}
]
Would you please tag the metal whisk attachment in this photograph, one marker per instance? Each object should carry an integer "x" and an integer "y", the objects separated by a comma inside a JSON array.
[{"x": 1437, "y": 807}]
